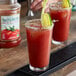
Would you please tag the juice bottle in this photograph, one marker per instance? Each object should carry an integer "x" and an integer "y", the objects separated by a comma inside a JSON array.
[{"x": 9, "y": 23}]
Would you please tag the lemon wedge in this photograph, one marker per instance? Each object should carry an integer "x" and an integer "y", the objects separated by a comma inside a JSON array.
[
  {"x": 66, "y": 3},
  {"x": 45, "y": 17},
  {"x": 46, "y": 20}
]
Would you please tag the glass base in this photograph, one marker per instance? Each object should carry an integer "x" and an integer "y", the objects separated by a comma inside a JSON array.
[
  {"x": 56, "y": 42},
  {"x": 37, "y": 69}
]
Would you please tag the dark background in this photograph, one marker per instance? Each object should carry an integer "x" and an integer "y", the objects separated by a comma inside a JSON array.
[{"x": 21, "y": 0}]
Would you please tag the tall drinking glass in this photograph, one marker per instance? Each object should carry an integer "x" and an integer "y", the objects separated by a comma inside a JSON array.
[
  {"x": 62, "y": 17},
  {"x": 39, "y": 44}
]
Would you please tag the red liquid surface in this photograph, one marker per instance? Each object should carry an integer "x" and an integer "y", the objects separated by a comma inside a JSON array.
[
  {"x": 39, "y": 46},
  {"x": 61, "y": 28}
]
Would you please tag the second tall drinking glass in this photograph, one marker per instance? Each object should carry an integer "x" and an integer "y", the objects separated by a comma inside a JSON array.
[{"x": 62, "y": 17}]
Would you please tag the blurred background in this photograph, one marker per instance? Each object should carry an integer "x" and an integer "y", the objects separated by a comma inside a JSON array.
[
  {"x": 24, "y": 7},
  {"x": 21, "y": 0}
]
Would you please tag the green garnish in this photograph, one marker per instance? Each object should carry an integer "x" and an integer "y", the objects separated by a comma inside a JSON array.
[{"x": 11, "y": 28}]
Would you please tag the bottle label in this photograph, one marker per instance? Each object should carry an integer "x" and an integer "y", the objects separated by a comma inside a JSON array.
[{"x": 10, "y": 29}]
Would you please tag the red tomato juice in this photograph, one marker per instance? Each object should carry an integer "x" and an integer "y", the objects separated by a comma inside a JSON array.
[
  {"x": 39, "y": 45},
  {"x": 61, "y": 27}
]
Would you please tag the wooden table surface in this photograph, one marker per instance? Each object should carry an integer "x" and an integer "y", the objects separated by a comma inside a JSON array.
[{"x": 14, "y": 58}]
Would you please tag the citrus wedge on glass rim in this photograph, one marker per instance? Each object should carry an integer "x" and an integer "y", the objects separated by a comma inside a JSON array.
[
  {"x": 46, "y": 20},
  {"x": 66, "y": 3},
  {"x": 45, "y": 17}
]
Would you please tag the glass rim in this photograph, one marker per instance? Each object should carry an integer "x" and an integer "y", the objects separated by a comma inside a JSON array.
[
  {"x": 27, "y": 24},
  {"x": 54, "y": 7}
]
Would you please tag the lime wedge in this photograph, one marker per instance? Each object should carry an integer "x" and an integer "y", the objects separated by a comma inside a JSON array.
[
  {"x": 66, "y": 3},
  {"x": 46, "y": 20}
]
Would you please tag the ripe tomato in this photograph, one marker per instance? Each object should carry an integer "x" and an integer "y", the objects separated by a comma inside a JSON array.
[{"x": 10, "y": 35}]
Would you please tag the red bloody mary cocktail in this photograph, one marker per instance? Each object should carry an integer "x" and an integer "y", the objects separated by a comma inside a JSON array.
[
  {"x": 62, "y": 16},
  {"x": 38, "y": 40}
]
